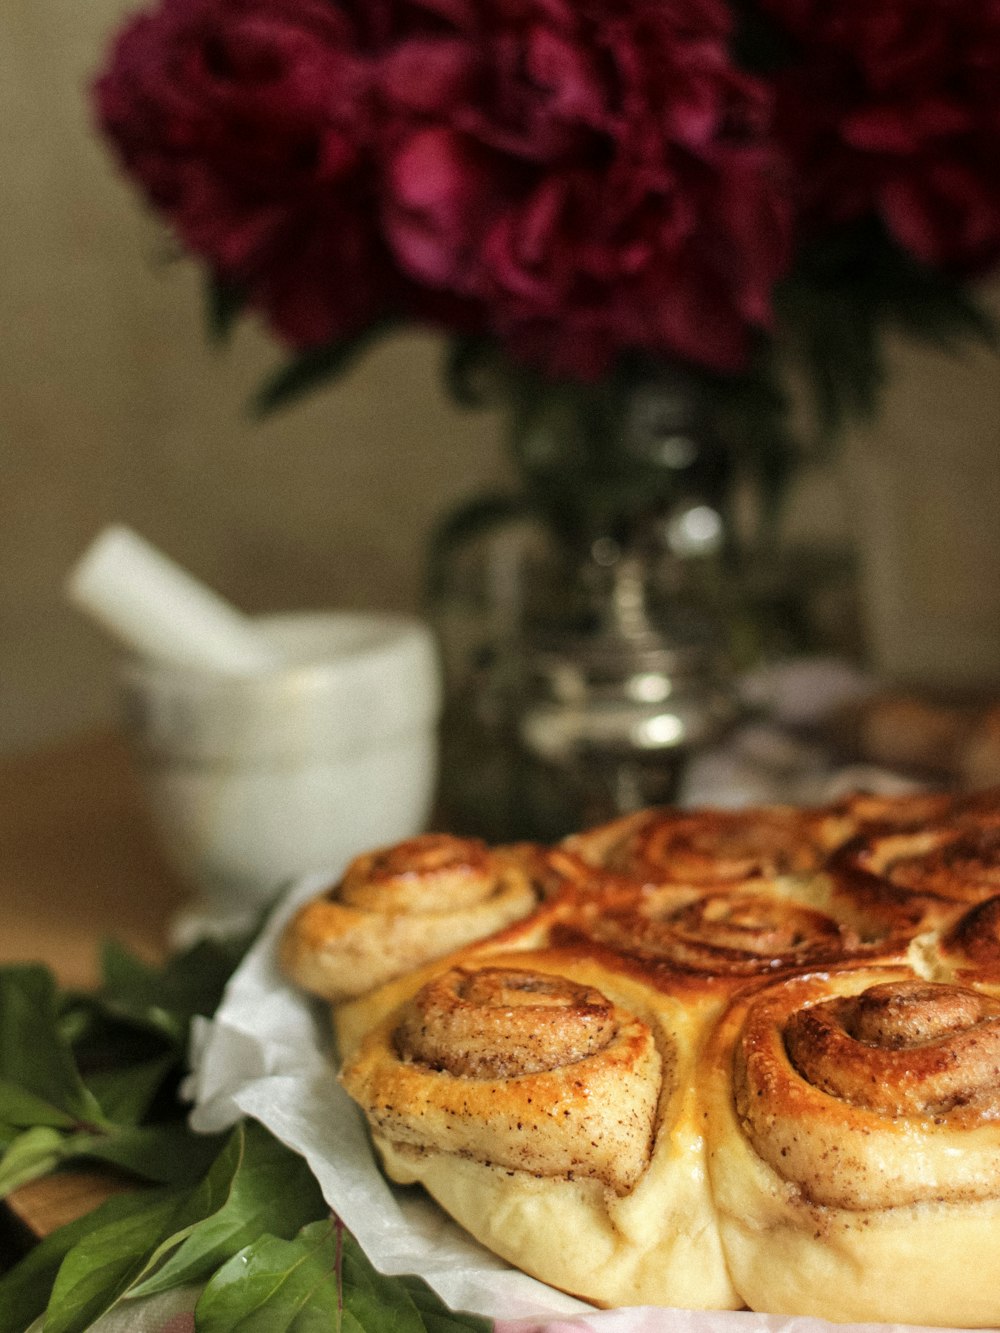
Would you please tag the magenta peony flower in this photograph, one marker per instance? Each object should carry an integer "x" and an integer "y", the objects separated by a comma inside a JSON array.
[
  {"x": 576, "y": 177},
  {"x": 248, "y": 123},
  {"x": 893, "y": 108},
  {"x": 596, "y": 175}
]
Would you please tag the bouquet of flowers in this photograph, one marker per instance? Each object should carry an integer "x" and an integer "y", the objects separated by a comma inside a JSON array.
[{"x": 572, "y": 188}]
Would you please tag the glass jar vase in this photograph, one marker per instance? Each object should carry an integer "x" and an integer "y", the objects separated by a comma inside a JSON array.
[{"x": 582, "y": 617}]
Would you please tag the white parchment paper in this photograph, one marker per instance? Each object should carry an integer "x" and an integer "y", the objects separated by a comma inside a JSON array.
[{"x": 266, "y": 1055}]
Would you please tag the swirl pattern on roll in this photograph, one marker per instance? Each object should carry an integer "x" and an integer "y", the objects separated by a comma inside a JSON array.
[
  {"x": 859, "y": 812},
  {"x": 857, "y": 1088},
  {"x": 920, "y": 878},
  {"x": 705, "y": 847},
  {"x": 970, "y": 947},
  {"x": 721, "y": 935},
  {"x": 516, "y": 1068},
  {"x": 853, "y": 1133},
  {"x": 745, "y": 1057},
  {"x": 500, "y": 1023},
  {"x": 401, "y": 906}
]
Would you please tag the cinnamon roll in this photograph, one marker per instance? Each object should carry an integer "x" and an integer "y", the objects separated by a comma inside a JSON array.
[
  {"x": 401, "y": 906},
  {"x": 919, "y": 878},
  {"x": 704, "y": 847},
  {"x": 723, "y": 935},
  {"x": 702, "y": 946},
  {"x": 969, "y": 950},
  {"x": 853, "y": 1124},
  {"x": 862, "y": 811},
  {"x": 538, "y": 1096},
  {"x": 740, "y": 1058}
]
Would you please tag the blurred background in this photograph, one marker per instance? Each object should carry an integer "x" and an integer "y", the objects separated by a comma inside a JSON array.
[{"x": 115, "y": 407}]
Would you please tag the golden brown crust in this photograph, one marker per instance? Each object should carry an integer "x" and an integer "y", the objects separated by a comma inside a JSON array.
[
  {"x": 855, "y": 1087},
  {"x": 918, "y": 879},
  {"x": 852, "y": 1133},
  {"x": 863, "y": 812},
  {"x": 633, "y": 1245},
  {"x": 741, "y": 1057},
  {"x": 724, "y": 937},
  {"x": 399, "y": 907},
  {"x": 970, "y": 947},
  {"x": 446, "y": 1073},
  {"x": 704, "y": 847}
]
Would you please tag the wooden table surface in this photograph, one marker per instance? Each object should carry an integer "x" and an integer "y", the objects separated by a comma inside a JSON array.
[
  {"x": 78, "y": 859},
  {"x": 78, "y": 863}
]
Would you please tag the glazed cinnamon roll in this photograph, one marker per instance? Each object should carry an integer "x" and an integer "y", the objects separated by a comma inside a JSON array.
[
  {"x": 518, "y": 1069},
  {"x": 738, "y": 1057},
  {"x": 704, "y": 847},
  {"x": 402, "y": 906},
  {"x": 969, "y": 950},
  {"x": 853, "y": 1121},
  {"x": 920, "y": 878},
  {"x": 722, "y": 938},
  {"x": 862, "y": 811},
  {"x": 538, "y": 1096}
]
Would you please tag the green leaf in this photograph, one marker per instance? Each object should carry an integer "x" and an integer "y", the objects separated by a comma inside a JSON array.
[
  {"x": 278, "y": 1286},
  {"x": 256, "y": 1185},
  {"x": 131, "y": 990},
  {"x": 102, "y": 1040},
  {"x": 105, "y": 1267},
  {"x": 24, "y": 1290},
  {"x": 318, "y": 1281},
  {"x": 404, "y": 1304},
  {"x": 850, "y": 287},
  {"x": 102, "y": 1266},
  {"x": 125, "y": 1094},
  {"x": 33, "y": 1053},
  {"x": 38, "y": 1151},
  {"x": 224, "y": 303},
  {"x": 162, "y": 1154},
  {"x": 436, "y": 1316},
  {"x": 474, "y": 373},
  {"x": 167, "y": 1154},
  {"x": 23, "y": 1109},
  {"x": 165, "y": 1000},
  {"x": 316, "y": 366}
]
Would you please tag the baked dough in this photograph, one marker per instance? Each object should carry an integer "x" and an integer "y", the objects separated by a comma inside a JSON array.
[
  {"x": 400, "y": 906},
  {"x": 588, "y": 1172},
  {"x": 720, "y": 1059},
  {"x": 854, "y": 1147}
]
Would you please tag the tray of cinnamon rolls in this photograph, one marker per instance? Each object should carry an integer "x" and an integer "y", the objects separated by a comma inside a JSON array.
[{"x": 712, "y": 1059}]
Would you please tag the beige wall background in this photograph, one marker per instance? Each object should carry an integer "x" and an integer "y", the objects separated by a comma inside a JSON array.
[{"x": 114, "y": 407}]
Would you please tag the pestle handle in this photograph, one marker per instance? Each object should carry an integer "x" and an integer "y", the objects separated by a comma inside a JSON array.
[{"x": 158, "y": 610}]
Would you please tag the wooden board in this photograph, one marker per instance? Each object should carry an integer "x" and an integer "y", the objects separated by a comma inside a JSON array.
[
  {"x": 78, "y": 863},
  {"x": 43, "y": 1206},
  {"x": 78, "y": 860}
]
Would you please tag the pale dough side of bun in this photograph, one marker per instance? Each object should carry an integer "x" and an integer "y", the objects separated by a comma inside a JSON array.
[
  {"x": 656, "y": 1244},
  {"x": 717, "y": 1060},
  {"x": 930, "y": 1262}
]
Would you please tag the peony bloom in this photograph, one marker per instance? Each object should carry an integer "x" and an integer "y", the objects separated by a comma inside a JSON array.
[
  {"x": 892, "y": 107},
  {"x": 248, "y": 125},
  {"x": 578, "y": 178},
  {"x": 598, "y": 176}
]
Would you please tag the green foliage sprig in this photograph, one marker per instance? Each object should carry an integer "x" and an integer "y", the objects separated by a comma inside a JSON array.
[{"x": 93, "y": 1078}]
